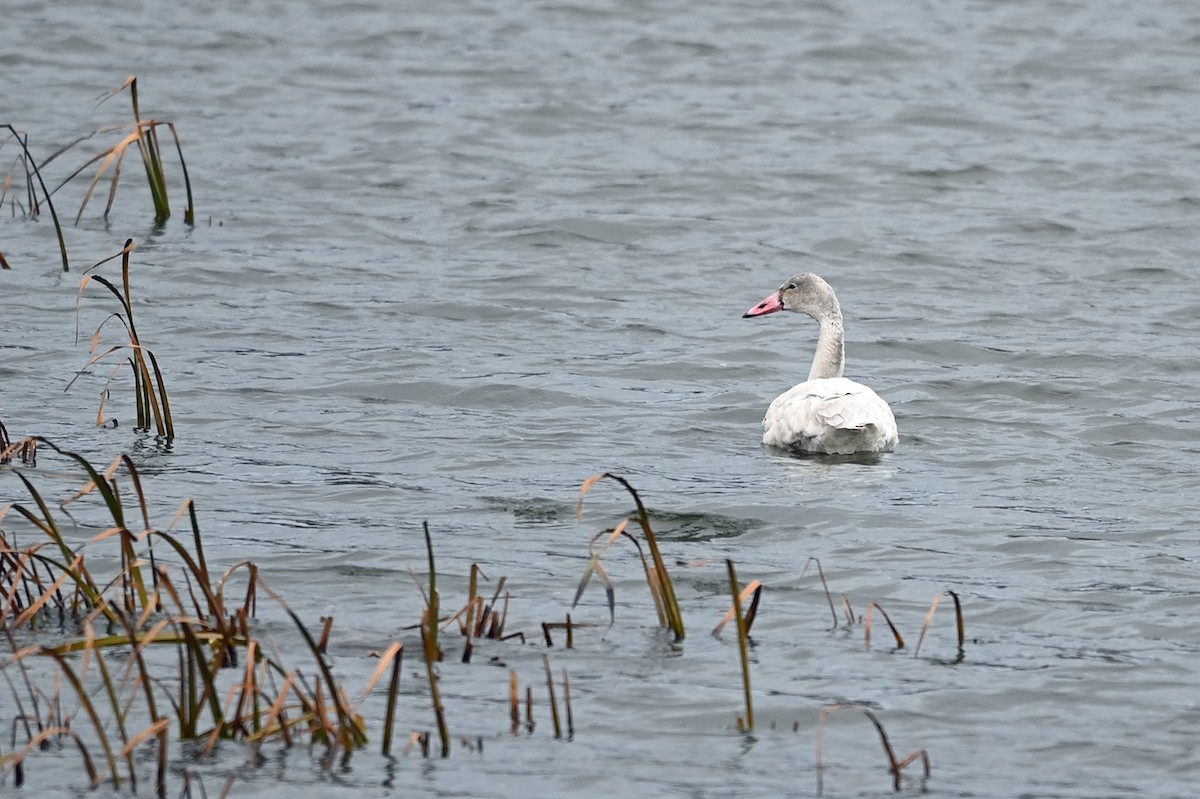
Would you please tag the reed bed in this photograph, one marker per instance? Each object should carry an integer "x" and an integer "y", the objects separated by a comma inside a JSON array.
[
  {"x": 162, "y": 650},
  {"x": 165, "y": 650}
]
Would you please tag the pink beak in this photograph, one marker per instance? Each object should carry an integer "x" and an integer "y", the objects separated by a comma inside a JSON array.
[{"x": 769, "y": 305}]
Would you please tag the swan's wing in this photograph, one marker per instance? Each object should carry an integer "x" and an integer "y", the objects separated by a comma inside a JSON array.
[{"x": 833, "y": 415}]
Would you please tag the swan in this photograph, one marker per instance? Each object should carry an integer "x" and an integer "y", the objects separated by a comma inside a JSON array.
[{"x": 827, "y": 414}]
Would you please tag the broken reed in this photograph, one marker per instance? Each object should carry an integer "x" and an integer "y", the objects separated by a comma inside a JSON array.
[
  {"x": 895, "y": 766},
  {"x": 150, "y": 391}
]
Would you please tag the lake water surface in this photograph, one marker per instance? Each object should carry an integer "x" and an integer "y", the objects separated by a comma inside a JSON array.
[{"x": 452, "y": 259}]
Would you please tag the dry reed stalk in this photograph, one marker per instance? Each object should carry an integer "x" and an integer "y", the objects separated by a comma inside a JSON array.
[
  {"x": 435, "y": 695},
  {"x": 894, "y": 766},
  {"x": 32, "y": 170},
  {"x": 393, "y": 696},
  {"x": 743, "y": 651},
  {"x": 326, "y": 629},
  {"x": 567, "y": 703},
  {"x": 661, "y": 586},
  {"x": 753, "y": 588},
  {"x": 553, "y": 701},
  {"x": 514, "y": 700},
  {"x": 824, "y": 584},
  {"x": 473, "y": 597},
  {"x": 429, "y": 635},
  {"x": 871, "y": 608},
  {"x": 958, "y": 618}
]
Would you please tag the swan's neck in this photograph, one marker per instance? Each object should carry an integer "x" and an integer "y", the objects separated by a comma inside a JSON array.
[{"x": 830, "y": 357}]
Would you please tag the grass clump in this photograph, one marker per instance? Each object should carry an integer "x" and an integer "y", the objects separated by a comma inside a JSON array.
[
  {"x": 35, "y": 192},
  {"x": 149, "y": 388},
  {"x": 657, "y": 576},
  {"x": 144, "y": 135}
]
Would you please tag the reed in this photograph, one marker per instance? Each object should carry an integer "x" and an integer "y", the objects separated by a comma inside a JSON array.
[
  {"x": 743, "y": 631},
  {"x": 433, "y": 652},
  {"x": 871, "y": 608},
  {"x": 895, "y": 766},
  {"x": 149, "y": 388},
  {"x": 144, "y": 134},
  {"x": 164, "y": 650},
  {"x": 129, "y": 615},
  {"x": 33, "y": 200},
  {"x": 868, "y": 617},
  {"x": 657, "y": 576},
  {"x": 824, "y": 584},
  {"x": 960, "y": 626},
  {"x": 554, "y": 717}
]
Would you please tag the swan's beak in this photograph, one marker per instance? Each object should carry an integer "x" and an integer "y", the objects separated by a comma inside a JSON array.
[{"x": 769, "y": 305}]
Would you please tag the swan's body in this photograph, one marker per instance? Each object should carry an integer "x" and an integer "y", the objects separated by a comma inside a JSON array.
[{"x": 827, "y": 414}]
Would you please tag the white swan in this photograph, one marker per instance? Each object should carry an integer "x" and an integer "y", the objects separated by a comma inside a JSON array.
[{"x": 826, "y": 414}]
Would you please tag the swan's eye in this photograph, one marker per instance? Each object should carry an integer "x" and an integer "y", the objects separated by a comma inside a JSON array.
[{"x": 790, "y": 287}]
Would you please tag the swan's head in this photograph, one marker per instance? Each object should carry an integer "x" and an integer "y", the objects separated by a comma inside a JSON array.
[{"x": 806, "y": 293}]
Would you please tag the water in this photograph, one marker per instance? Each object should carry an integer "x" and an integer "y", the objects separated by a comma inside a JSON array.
[{"x": 450, "y": 261}]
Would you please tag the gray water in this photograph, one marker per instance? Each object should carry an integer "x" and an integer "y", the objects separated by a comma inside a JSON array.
[{"x": 452, "y": 259}]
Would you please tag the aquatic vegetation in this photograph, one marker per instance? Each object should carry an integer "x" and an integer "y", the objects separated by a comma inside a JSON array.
[
  {"x": 150, "y": 391},
  {"x": 144, "y": 134},
  {"x": 162, "y": 650},
  {"x": 894, "y": 766},
  {"x": 958, "y": 622},
  {"x": 156, "y": 646},
  {"x": 867, "y": 618},
  {"x": 31, "y": 207},
  {"x": 743, "y": 631},
  {"x": 657, "y": 577}
]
